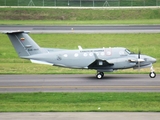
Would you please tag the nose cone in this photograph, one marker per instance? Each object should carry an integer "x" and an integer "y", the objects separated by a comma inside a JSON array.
[{"x": 151, "y": 59}]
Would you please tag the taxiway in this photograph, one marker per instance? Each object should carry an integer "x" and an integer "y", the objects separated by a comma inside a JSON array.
[{"x": 85, "y": 29}]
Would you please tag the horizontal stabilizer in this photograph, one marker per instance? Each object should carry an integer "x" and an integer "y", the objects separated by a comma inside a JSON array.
[
  {"x": 17, "y": 31},
  {"x": 40, "y": 62}
]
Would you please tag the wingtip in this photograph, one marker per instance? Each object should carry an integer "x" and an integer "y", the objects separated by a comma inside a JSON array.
[{"x": 16, "y": 31}]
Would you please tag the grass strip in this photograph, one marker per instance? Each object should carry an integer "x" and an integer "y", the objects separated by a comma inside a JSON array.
[
  {"x": 80, "y": 22},
  {"x": 45, "y": 16},
  {"x": 79, "y": 102}
]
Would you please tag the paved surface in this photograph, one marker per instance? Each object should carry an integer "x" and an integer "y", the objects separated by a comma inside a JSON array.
[
  {"x": 79, "y": 83},
  {"x": 81, "y": 7},
  {"x": 86, "y": 29},
  {"x": 81, "y": 116}
]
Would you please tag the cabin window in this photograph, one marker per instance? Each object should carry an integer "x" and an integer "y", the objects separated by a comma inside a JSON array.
[
  {"x": 102, "y": 53},
  {"x": 76, "y": 55},
  {"x": 90, "y": 54},
  {"x": 85, "y": 54},
  {"x": 122, "y": 53},
  {"x": 128, "y": 51},
  {"x": 65, "y": 55}
]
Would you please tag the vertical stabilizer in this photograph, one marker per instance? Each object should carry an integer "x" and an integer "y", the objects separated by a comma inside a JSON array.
[{"x": 23, "y": 43}]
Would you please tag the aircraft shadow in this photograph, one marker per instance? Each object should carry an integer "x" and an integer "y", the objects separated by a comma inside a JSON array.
[{"x": 116, "y": 77}]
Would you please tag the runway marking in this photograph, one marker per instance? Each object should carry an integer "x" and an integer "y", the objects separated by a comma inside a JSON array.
[{"x": 20, "y": 87}]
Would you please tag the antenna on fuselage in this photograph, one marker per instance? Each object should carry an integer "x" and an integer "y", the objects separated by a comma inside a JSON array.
[{"x": 80, "y": 48}]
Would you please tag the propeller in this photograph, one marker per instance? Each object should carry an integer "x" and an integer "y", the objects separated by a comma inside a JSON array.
[
  {"x": 137, "y": 61},
  {"x": 139, "y": 57},
  {"x": 139, "y": 54}
]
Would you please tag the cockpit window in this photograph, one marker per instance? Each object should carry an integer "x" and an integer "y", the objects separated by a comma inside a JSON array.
[{"x": 128, "y": 51}]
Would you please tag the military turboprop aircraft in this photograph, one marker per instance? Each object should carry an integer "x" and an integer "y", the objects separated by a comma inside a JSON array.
[{"x": 100, "y": 59}]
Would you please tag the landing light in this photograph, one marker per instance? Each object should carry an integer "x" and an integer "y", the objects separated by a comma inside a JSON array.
[{"x": 22, "y": 39}]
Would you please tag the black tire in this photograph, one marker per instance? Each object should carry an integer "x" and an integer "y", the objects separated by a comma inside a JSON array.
[
  {"x": 102, "y": 73},
  {"x": 99, "y": 76},
  {"x": 152, "y": 74}
]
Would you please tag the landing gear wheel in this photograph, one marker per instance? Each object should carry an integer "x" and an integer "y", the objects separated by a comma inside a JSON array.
[
  {"x": 152, "y": 74},
  {"x": 100, "y": 75}
]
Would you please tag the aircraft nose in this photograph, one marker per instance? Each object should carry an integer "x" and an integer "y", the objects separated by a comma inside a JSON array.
[{"x": 152, "y": 60}]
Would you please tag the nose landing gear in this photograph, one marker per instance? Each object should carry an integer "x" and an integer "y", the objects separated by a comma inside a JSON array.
[{"x": 152, "y": 74}]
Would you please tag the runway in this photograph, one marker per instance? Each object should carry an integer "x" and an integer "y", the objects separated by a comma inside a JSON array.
[
  {"x": 85, "y": 29},
  {"x": 79, "y": 83},
  {"x": 81, "y": 116}
]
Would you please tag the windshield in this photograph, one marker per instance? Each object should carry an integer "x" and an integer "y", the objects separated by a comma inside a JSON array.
[{"x": 128, "y": 51}]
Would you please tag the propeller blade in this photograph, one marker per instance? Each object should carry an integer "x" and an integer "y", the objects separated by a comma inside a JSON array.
[
  {"x": 138, "y": 61},
  {"x": 139, "y": 54}
]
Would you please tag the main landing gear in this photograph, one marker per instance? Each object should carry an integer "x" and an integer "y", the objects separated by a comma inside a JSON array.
[
  {"x": 100, "y": 75},
  {"x": 152, "y": 74}
]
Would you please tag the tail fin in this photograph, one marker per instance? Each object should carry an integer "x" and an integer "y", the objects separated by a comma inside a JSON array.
[{"x": 23, "y": 43}]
